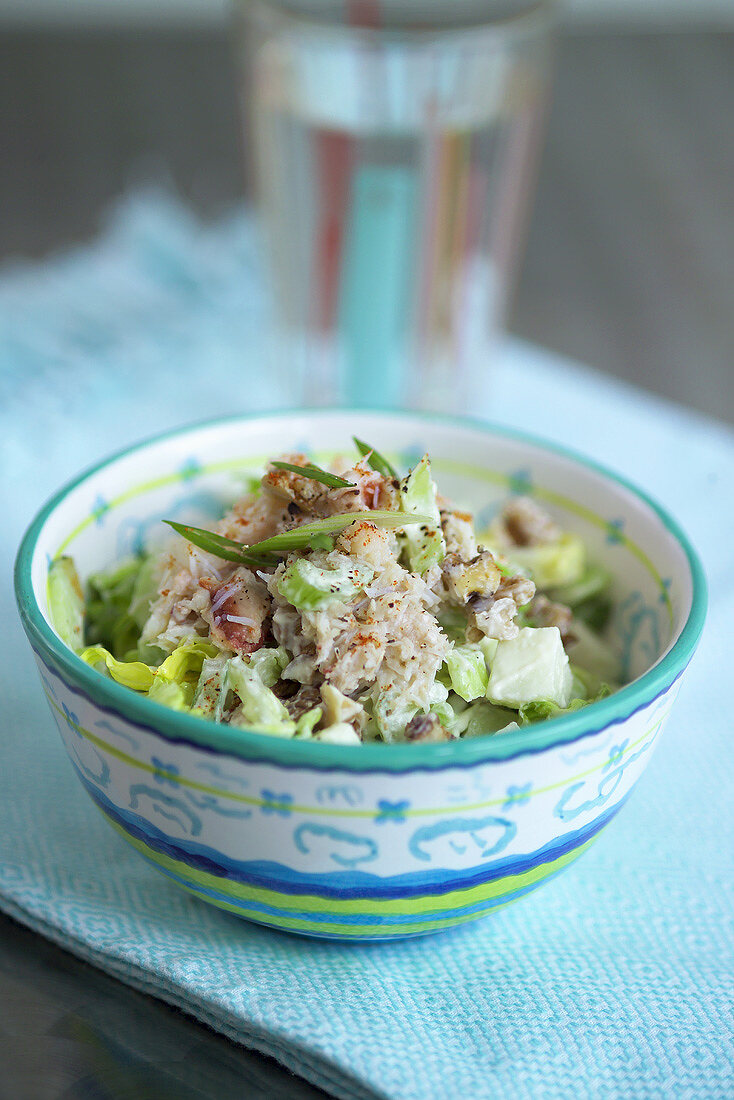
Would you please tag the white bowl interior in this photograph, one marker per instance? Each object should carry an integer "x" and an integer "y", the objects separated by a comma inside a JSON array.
[{"x": 192, "y": 477}]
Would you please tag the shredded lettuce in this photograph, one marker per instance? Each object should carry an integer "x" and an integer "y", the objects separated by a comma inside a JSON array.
[
  {"x": 589, "y": 597},
  {"x": 594, "y": 612},
  {"x": 594, "y": 580},
  {"x": 145, "y": 590},
  {"x": 555, "y": 563},
  {"x": 66, "y": 602},
  {"x": 307, "y": 722},
  {"x": 181, "y": 668},
  {"x": 587, "y": 685},
  {"x": 392, "y": 709},
  {"x": 425, "y": 544},
  {"x": 453, "y": 621},
  {"x": 260, "y": 707},
  {"x": 132, "y": 674},
  {"x": 170, "y": 693},
  {"x": 546, "y": 708},
  {"x": 590, "y": 652},
  {"x": 109, "y": 594}
]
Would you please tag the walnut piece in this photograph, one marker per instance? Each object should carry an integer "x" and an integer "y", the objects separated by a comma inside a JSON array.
[
  {"x": 477, "y": 577},
  {"x": 426, "y": 728},
  {"x": 543, "y": 612},
  {"x": 527, "y": 524}
]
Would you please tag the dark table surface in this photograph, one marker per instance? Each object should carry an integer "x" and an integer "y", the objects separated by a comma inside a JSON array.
[{"x": 629, "y": 267}]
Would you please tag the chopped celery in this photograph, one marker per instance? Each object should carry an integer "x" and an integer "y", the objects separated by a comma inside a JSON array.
[
  {"x": 530, "y": 667},
  {"x": 210, "y": 696},
  {"x": 467, "y": 669},
  {"x": 340, "y": 734},
  {"x": 488, "y": 647},
  {"x": 307, "y": 586},
  {"x": 269, "y": 664}
]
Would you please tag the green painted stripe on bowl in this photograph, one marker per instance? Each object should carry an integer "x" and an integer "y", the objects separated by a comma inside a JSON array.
[
  {"x": 243, "y": 464},
  {"x": 254, "y": 745},
  {"x": 346, "y": 931},
  {"x": 327, "y": 811},
  {"x": 314, "y": 903},
  {"x": 325, "y": 927}
]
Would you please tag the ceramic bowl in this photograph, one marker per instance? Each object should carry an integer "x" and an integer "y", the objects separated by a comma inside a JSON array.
[{"x": 373, "y": 841}]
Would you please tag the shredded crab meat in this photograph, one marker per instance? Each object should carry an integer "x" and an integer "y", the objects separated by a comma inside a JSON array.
[
  {"x": 368, "y": 490},
  {"x": 377, "y": 639},
  {"x": 494, "y": 616}
]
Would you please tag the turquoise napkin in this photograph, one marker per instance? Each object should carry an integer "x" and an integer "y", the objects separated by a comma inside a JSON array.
[{"x": 616, "y": 979}]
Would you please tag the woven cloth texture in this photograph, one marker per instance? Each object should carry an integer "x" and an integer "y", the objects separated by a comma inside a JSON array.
[{"x": 616, "y": 979}]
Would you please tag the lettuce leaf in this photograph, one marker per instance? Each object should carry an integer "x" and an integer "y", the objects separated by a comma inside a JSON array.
[
  {"x": 109, "y": 594},
  {"x": 181, "y": 668},
  {"x": 66, "y": 602},
  {"x": 476, "y": 720},
  {"x": 425, "y": 545},
  {"x": 306, "y": 723},
  {"x": 593, "y": 581},
  {"x": 260, "y": 707},
  {"x": 546, "y": 708},
  {"x": 553, "y": 564}
]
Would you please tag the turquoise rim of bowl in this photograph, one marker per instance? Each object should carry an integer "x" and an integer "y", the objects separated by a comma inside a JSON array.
[{"x": 254, "y": 745}]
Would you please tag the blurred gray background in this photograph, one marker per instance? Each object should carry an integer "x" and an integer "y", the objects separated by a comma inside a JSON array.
[{"x": 629, "y": 263}]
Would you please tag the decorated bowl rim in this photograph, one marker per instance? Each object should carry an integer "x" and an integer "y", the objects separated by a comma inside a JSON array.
[{"x": 251, "y": 744}]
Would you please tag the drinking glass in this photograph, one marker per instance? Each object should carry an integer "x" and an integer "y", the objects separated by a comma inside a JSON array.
[{"x": 394, "y": 149}]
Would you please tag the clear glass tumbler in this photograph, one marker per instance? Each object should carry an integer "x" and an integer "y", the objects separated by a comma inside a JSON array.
[{"x": 394, "y": 157}]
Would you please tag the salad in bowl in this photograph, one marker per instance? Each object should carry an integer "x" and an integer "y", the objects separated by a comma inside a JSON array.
[
  {"x": 352, "y": 604},
  {"x": 354, "y": 691}
]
